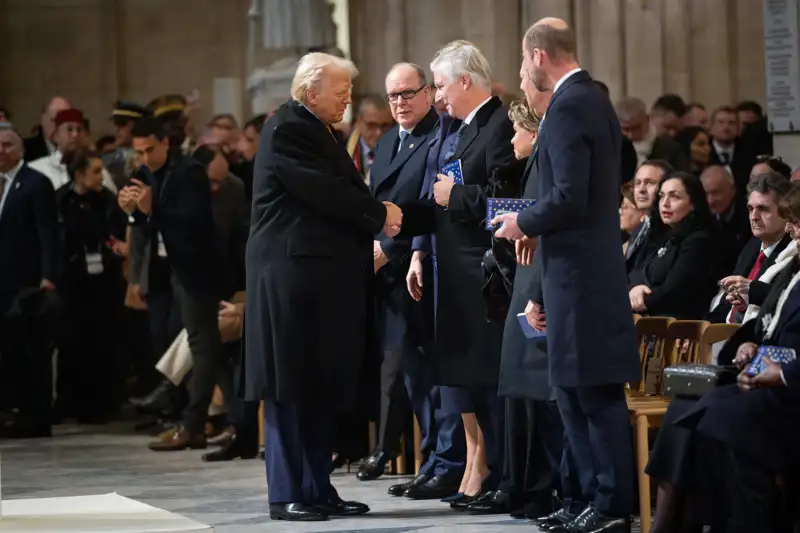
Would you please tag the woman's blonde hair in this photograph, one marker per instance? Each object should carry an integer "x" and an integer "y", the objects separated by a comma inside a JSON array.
[{"x": 527, "y": 118}]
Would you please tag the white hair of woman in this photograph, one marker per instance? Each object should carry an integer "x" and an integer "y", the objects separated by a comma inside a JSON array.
[
  {"x": 459, "y": 58},
  {"x": 311, "y": 72}
]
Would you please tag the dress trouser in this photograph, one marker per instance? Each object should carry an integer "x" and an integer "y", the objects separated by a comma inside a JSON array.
[
  {"x": 212, "y": 366},
  {"x": 298, "y": 453},
  {"x": 598, "y": 451}
]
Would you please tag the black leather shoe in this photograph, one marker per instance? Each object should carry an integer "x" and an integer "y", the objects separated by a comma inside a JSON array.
[
  {"x": 236, "y": 448},
  {"x": 592, "y": 521},
  {"x": 158, "y": 399},
  {"x": 401, "y": 488},
  {"x": 342, "y": 508},
  {"x": 435, "y": 488},
  {"x": 373, "y": 466},
  {"x": 296, "y": 512},
  {"x": 463, "y": 503},
  {"x": 553, "y": 520},
  {"x": 492, "y": 502}
]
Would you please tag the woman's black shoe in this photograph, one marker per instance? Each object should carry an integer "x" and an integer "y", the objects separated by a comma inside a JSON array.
[{"x": 235, "y": 449}]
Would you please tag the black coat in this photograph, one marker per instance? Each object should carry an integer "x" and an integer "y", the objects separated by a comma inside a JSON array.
[
  {"x": 467, "y": 344},
  {"x": 743, "y": 160},
  {"x": 523, "y": 365},
  {"x": 760, "y": 424},
  {"x": 398, "y": 179},
  {"x": 681, "y": 268},
  {"x": 744, "y": 264},
  {"x": 28, "y": 235},
  {"x": 590, "y": 338},
  {"x": 309, "y": 266},
  {"x": 35, "y": 147},
  {"x": 182, "y": 213}
]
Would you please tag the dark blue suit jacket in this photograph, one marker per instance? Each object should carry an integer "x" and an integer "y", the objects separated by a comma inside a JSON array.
[
  {"x": 399, "y": 180},
  {"x": 28, "y": 235},
  {"x": 590, "y": 334}
]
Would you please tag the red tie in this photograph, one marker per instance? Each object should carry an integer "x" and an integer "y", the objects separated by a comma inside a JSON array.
[{"x": 751, "y": 276}]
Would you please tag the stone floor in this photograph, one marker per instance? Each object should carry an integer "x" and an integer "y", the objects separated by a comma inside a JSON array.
[{"x": 229, "y": 496}]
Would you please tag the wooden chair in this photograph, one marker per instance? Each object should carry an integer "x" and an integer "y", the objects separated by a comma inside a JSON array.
[
  {"x": 680, "y": 343},
  {"x": 651, "y": 330},
  {"x": 713, "y": 334}
]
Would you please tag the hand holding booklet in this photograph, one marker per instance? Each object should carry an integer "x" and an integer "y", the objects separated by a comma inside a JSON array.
[
  {"x": 527, "y": 330},
  {"x": 499, "y": 206},
  {"x": 453, "y": 170}
]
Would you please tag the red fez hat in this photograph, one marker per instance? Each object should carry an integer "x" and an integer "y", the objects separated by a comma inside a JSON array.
[{"x": 69, "y": 115}]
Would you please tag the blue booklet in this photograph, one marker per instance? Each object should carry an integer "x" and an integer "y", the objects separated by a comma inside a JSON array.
[
  {"x": 453, "y": 169},
  {"x": 498, "y": 206},
  {"x": 527, "y": 330},
  {"x": 775, "y": 353}
]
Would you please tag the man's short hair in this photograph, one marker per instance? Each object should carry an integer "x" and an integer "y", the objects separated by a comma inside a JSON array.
[
  {"x": 751, "y": 106},
  {"x": 661, "y": 164},
  {"x": 375, "y": 100},
  {"x": 723, "y": 109},
  {"x": 104, "y": 141},
  {"x": 423, "y": 78},
  {"x": 770, "y": 182},
  {"x": 311, "y": 71},
  {"x": 557, "y": 43},
  {"x": 723, "y": 170},
  {"x": 670, "y": 102},
  {"x": 628, "y": 108},
  {"x": 694, "y": 105},
  {"x": 257, "y": 123},
  {"x": 459, "y": 58},
  {"x": 149, "y": 126},
  {"x": 4, "y": 111},
  {"x": 7, "y": 126}
]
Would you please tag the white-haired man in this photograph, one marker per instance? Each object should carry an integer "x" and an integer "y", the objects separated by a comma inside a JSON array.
[
  {"x": 309, "y": 264},
  {"x": 467, "y": 344}
]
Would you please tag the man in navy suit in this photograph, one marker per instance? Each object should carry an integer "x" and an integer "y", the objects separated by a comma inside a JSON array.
[
  {"x": 28, "y": 271},
  {"x": 591, "y": 339}
]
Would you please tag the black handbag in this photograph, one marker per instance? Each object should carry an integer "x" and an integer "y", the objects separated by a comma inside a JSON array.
[{"x": 695, "y": 380}]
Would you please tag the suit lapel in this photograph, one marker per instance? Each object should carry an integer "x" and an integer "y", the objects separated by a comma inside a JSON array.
[
  {"x": 473, "y": 128},
  {"x": 380, "y": 169},
  {"x": 13, "y": 190},
  {"x": 528, "y": 167}
]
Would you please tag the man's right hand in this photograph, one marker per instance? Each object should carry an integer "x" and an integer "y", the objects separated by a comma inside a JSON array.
[
  {"x": 127, "y": 199},
  {"x": 394, "y": 219},
  {"x": 524, "y": 249},
  {"x": 536, "y": 318},
  {"x": 136, "y": 290},
  {"x": 414, "y": 276}
]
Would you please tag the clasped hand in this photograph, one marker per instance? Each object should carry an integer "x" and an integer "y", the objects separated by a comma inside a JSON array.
[
  {"x": 394, "y": 219},
  {"x": 136, "y": 196}
]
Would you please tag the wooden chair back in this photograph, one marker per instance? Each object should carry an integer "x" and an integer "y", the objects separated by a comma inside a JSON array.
[
  {"x": 713, "y": 334},
  {"x": 651, "y": 338}
]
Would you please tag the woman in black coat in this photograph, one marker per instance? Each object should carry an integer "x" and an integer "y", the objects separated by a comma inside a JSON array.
[
  {"x": 715, "y": 459},
  {"x": 681, "y": 263},
  {"x": 92, "y": 231}
]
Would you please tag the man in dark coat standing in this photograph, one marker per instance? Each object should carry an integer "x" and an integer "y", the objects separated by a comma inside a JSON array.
[
  {"x": 590, "y": 339},
  {"x": 309, "y": 270}
]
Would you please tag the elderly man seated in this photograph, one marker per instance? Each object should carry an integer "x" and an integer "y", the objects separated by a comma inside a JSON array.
[{"x": 720, "y": 455}]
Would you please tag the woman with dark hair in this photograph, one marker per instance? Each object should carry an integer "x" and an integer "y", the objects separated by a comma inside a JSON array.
[
  {"x": 696, "y": 144},
  {"x": 677, "y": 276},
  {"x": 92, "y": 229}
]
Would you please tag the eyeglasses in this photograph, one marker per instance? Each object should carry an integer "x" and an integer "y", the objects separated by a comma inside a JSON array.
[
  {"x": 405, "y": 95},
  {"x": 766, "y": 158}
]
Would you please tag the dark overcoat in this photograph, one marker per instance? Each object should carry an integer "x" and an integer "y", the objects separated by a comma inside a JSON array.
[
  {"x": 309, "y": 266},
  {"x": 590, "y": 333}
]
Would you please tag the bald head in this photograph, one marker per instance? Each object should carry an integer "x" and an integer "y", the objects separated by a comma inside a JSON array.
[
  {"x": 720, "y": 188},
  {"x": 554, "y": 37},
  {"x": 53, "y": 108}
]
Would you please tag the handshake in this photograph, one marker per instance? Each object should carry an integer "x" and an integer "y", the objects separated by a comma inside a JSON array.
[{"x": 394, "y": 219}]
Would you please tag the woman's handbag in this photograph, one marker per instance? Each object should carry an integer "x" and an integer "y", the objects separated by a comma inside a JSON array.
[{"x": 696, "y": 380}]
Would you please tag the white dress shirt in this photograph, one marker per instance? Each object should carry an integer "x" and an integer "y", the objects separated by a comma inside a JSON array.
[
  {"x": 724, "y": 150},
  {"x": 475, "y": 111},
  {"x": 9, "y": 177}
]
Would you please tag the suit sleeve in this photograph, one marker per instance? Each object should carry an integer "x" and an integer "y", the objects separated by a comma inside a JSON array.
[
  {"x": 758, "y": 292},
  {"x": 686, "y": 274},
  {"x": 45, "y": 211},
  {"x": 468, "y": 201},
  {"x": 395, "y": 248},
  {"x": 567, "y": 201},
  {"x": 194, "y": 210},
  {"x": 297, "y": 163},
  {"x": 533, "y": 291}
]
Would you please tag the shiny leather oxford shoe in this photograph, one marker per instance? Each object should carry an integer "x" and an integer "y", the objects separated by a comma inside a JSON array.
[
  {"x": 435, "y": 488},
  {"x": 339, "y": 507},
  {"x": 224, "y": 438},
  {"x": 373, "y": 466},
  {"x": 492, "y": 502},
  {"x": 296, "y": 512},
  {"x": 592, "y": 521},
  {"x": 236, "y": 448},
  {"x": 179, "y": 439},
  {"x": 557, "y": 519},
  {"x": 401, "y": 488}
]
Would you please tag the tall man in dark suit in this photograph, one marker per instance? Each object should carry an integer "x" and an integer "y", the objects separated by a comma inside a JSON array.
[
  {"x": 309, "y": 287},
  {"x": 28, "y": 266},
  {"x": 591, "y": 340},
  {"x": 171, "y": 202},
  {"x": 397, "y": 173}
]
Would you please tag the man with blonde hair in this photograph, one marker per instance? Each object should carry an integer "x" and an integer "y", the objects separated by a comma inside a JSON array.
[{"x": 308, "y": 307}]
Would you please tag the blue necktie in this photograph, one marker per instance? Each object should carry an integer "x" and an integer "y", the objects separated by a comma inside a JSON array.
[{"x": 403, "y": 137}]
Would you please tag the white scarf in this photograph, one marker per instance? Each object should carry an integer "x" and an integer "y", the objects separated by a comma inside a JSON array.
[
  {"x": 771, "y": 321},
  {"x": 784, "y": 258}
]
